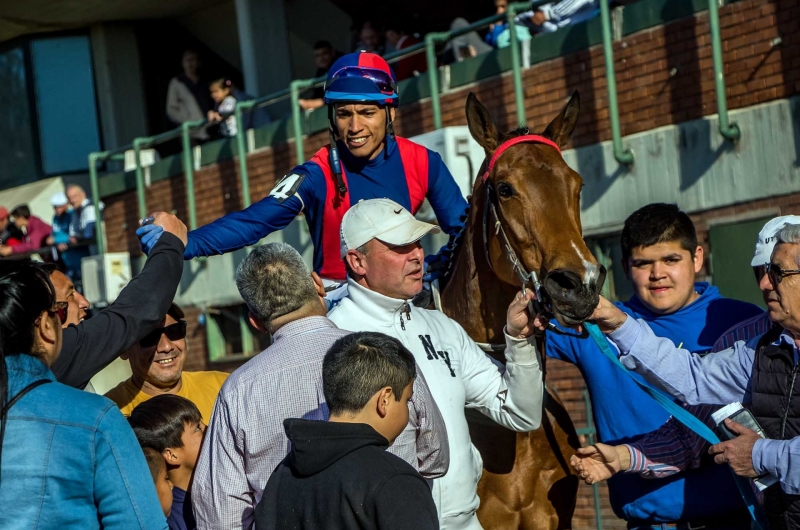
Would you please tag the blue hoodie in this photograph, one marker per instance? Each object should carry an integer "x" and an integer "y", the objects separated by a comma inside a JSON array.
[{"x": 623, "y": 412}]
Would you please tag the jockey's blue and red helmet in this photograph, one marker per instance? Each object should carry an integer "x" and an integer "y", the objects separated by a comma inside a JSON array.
[{"x": 361, "y": 77}]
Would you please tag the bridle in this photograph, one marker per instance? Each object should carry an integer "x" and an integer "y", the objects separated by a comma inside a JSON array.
[{"x": 528, "y": 279}]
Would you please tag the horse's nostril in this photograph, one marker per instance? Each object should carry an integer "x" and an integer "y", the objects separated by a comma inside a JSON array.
[{"x": 563, "y": 281}]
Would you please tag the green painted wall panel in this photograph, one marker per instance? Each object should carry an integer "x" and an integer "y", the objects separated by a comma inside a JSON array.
[{"x": 732, "y": 247}]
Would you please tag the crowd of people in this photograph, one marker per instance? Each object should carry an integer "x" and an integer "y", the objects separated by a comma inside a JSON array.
[
  {"x": 66, "y": 241},
  {"x": 354, "y": 416}
]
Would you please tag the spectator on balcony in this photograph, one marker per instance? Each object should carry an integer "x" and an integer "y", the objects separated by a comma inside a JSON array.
[
  {"x": 369, "y": 39},
  {"x": 224, "y": 105},
  {"x": 187, "y": 95},
  {"x": 400, "y": 40},
  {"x": 84, "y": 222},
  {"x": 35, "y": 232},
  {"x": 324, "y": 57},
  {"x": 499, "y": 36},
  {"x": 550, "y": 17},
  {"x": 62, "y": 220}
]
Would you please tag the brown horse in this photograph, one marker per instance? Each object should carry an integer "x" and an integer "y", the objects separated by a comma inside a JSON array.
[{"x": 530, "y": 216}]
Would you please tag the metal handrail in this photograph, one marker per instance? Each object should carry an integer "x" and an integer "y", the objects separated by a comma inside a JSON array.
[
  {"x": 623, "y": 155},
  {"x": 727, "y": 129}
]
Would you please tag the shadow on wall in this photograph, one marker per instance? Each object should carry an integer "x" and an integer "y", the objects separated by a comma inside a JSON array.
[{"x": 787, "y": 14}]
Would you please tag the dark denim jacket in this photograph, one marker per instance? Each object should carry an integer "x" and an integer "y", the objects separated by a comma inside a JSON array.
[{"x": 70, "y": 460}]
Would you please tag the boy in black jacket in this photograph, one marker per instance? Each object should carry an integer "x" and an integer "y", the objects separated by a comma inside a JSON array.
[{"x": 338, "y": 473}]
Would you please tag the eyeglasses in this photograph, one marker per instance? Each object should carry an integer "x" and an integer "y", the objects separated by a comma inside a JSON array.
[
  {"x": 60, "y": 309},
  {"x": 382, "y": 80},
  {"x": 776, "y": 274},
  {"x": 173, "y": 332}
]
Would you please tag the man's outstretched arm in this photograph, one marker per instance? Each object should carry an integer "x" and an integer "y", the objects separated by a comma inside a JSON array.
[{"x": 94, "y": 343}]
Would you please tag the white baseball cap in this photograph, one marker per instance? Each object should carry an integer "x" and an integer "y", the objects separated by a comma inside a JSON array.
[
  {"x": 59, "y": 199},
  {"x": 769, "y": 236},
  {"x": 381, "y": 219}
]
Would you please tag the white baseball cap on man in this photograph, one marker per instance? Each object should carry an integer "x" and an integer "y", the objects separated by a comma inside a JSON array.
[
  {"x": 381, "y": 219},
  {"x": 769, "y": 236},
  {"x": 59, "y": 199}
]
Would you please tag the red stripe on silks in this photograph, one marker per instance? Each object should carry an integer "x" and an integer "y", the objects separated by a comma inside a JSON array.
[
  {"x": 335, "y": 207},
  {"x": 415, "y": 166}
]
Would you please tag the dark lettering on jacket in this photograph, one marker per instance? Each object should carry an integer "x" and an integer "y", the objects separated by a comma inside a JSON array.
[{"x": 432, "y": 354}]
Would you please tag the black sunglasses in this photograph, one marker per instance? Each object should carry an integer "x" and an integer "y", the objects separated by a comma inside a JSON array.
[
  {"x": 175, "y": 331},
  {"x": 776, "y": 274}
]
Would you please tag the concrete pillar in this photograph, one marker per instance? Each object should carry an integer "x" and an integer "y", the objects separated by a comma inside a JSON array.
[
  {"x": 264, "y": 44},
  {"x": 118, "y": 78}
]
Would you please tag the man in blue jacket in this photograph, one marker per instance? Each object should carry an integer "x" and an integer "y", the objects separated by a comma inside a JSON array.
[
  {"x": 364, "y": 160},
  {"x": 661, "y": 257}
]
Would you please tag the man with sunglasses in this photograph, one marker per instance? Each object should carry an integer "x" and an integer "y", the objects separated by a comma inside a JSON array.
[
  {"x": 761, "y": 373},
  {"x": 92, "y": 344},
  {"x": 157, "y": 368},
  {"x": 364, "y": 160}
]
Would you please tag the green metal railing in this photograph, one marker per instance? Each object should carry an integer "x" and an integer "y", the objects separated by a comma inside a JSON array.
[
  {"x": 622, "y": 154},
  {"x": 591, "y": 434},
  {"x": 726, "y": 128}
]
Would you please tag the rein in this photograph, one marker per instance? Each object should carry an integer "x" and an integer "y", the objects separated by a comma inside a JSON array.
[{"x": 492, "y": 219}]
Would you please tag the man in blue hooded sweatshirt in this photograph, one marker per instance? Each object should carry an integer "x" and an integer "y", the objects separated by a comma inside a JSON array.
[{"x": 660, "y": 256}]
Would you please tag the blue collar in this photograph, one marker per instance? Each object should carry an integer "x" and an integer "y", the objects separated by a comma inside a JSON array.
[{"x": 788, "y": 339}]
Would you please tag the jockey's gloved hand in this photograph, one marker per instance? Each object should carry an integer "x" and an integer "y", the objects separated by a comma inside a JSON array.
[
  {"x": 148, "y": 236},
  {"x": 435, "y": 266}
]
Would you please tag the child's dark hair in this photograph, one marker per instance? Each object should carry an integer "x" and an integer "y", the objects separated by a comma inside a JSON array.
[
  {"x": 224, "y": 82},
  {"x": 155, "y": 461},
  {"x": 159, "y": 422},
  {"x": 360, "y": 364},
  {"x": 658, "y": 223}
]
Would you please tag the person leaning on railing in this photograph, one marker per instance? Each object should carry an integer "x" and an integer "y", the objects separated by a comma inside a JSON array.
[{"x": 35, "y": 232}]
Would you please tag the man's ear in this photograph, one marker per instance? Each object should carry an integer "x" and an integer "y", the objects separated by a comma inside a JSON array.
[
  {"x": 355, "y": 261},
  {"x": 318, "y": 285},
  {"x": 383, "y": 398},
  {"x": 698, "y": 257},
  {"x": 171, "y": 456},
  {"x": 256, "y": 323}
]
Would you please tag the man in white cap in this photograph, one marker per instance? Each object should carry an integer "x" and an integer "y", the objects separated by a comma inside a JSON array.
[
  {"x": 674, "y": 447},
  {"x": 70, "y": 257},
  {"x": 384, "y": 262}
]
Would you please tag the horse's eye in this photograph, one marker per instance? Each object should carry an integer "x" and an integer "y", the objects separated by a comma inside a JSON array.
[{"x": 504, "y": 190}]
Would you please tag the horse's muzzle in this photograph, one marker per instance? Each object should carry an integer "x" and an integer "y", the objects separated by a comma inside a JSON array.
[{"x": 572, "y": 300}]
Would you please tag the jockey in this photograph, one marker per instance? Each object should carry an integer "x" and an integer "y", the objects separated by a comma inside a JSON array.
[{"x": 364, "y": 160}]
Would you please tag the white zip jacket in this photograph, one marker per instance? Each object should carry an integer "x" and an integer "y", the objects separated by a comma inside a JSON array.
[{"x": 459, "y": 374}]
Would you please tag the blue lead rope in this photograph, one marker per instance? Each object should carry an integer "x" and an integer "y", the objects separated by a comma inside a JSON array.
[{"x": 683, "y": 416}]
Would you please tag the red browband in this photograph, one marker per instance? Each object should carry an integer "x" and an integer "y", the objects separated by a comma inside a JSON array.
[{"x": 524, "y": 139}]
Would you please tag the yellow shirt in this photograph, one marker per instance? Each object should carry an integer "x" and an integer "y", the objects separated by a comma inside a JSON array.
[{"x": 201, "y": 388}]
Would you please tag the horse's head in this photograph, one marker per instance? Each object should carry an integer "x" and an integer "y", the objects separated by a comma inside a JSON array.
[{"x": 537, "y": 199}]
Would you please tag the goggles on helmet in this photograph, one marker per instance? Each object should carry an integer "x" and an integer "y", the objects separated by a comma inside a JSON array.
[{"x": 356, "y": 83}]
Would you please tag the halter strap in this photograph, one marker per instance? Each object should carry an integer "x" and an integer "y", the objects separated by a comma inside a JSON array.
[{"x": 524, "y": 139}]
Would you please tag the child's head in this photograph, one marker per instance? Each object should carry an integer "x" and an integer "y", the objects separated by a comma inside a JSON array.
[
  {"x": 171, "y": 425},
  {"x": 368, "y": 377},
  {"x": 158, "y": 470},
  {"x": 661, "y": 256},
  {"x": 220, "y": 89}
]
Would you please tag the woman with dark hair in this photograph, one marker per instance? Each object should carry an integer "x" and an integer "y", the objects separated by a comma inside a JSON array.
[{"x": 67, "y": 458}]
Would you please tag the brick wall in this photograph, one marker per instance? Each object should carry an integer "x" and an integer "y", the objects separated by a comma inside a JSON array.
[{"x": 664, "y": 76}]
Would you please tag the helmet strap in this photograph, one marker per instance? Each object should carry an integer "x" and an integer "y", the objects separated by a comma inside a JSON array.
[
  {"x": 389, "y": 124},
  {"x": 333, "y": 155}
]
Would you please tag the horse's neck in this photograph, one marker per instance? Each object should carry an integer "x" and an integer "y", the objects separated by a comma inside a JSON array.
[{"x": 474, "y": 296}]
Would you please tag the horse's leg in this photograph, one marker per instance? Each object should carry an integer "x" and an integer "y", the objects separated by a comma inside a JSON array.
[
  {"x": 556, "y": 490},
  {"x": 498, "y": 510}
]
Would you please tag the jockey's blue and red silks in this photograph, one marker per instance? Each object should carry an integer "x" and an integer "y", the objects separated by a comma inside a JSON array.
[
  {"x": 404, "y": 172},
  {"x": 623, "y": 412}
]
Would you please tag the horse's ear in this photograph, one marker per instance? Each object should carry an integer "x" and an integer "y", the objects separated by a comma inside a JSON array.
[
  {"x": 561, "y": 128},
  {"x": 481, "y": 126}
]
